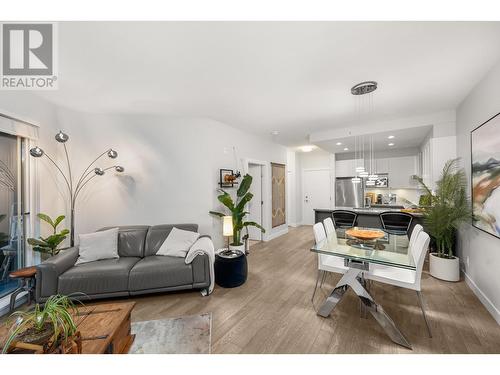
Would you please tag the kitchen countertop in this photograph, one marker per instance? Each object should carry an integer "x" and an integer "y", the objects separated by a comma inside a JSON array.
[{"x": 368, "y": 211}]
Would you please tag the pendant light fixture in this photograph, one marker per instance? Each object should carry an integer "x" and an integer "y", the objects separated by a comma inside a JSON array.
[
  {"x": 356, "y": 179},
  {"x": 360, "y": 91},
  {"x": 363, "y": 173},
  {"x": 373, "y": 176}
]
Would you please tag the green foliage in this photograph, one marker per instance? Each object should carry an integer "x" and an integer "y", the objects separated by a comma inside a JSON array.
[
  {"x": 50, "y": 244},
  {"x": 237, "y": 208},
  {"x": 447, "y": 208},
  {"x": 56, "y": 313}
]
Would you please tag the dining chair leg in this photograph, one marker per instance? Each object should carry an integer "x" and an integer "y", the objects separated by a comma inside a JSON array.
[
  {"x": 316, "y": 286},
  {"x": 421, "y": 303},
  {"x": 323, "y": 279}
]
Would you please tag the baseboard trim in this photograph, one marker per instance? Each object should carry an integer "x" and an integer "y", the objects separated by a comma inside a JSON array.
[
  {"x": 482, "y": 297},
  {"x": 278, "y": 233}
]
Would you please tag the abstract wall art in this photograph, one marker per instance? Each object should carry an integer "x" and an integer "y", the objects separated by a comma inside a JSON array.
[{"x": 485, "y": 176}]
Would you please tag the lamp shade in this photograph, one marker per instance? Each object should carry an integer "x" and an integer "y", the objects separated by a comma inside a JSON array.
[{"x": 227, "y": 226}]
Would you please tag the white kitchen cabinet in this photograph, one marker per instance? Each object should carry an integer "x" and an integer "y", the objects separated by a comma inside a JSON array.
[
  {"x": 346, "y": 168},
  {"x": 400, "y": 171},
  {"x": 434, "y": 154},
  {"x": 382, "y": 165}
]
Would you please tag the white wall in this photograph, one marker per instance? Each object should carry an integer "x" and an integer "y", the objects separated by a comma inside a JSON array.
[
  {"x": 171, "y": 169},
  {"x": 316, "y": 159},
  {"x": 479, "y": 251},
  {"x": 171, "y": 165},
  {"x": 293, "y": 209}
]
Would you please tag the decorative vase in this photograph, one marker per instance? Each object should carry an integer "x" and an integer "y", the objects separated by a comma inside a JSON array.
[
  {"x": 237, "y": 247},
  {"x": 447, "y": 269}
]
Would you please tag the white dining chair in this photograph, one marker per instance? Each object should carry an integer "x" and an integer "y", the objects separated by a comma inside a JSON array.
[
  {"x": 330, "y": 228},
  {"x": 405, "y": 278},
  {"x": 326, "y": 263},
  {"x": 414, "y": 234}
]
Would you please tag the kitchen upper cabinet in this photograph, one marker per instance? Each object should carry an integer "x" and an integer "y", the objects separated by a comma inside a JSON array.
[
  {"x": 346, "y": 168},
  {"x": 434, "y": 154},
  {"x": 382, "y": 165},
  {"x": 400, "y": 171}
]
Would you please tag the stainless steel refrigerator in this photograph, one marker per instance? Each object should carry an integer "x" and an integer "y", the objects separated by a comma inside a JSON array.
[{"x": 348, "y": 194}]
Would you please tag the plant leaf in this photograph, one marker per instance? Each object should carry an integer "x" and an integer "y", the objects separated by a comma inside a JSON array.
[
  {"x": 226, "y": 200},
  {"x": 220, "y": 214},
  {"x": 242, "y": 203},
  {"x": 246, "y": 182},
  {"x": 254, "y": 224},
  {"x": 36, "y": 242},
  {"x": 58, "y": 220},
  {"x": 46, "y": 218}
]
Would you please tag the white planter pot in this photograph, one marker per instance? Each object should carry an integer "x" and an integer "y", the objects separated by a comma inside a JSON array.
[
  {"x": 240, "y": 247},
  {"x": 444, "y": 268}
]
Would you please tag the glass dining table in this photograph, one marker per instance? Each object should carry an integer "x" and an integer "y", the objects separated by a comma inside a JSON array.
[{"x": 389, "y": 251}]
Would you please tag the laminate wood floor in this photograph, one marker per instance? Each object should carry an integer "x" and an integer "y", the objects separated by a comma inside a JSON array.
[{"x": 272, "y": 311}]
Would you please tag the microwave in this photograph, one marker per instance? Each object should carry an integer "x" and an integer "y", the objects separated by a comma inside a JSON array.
[{"x": 382, "y": 181}]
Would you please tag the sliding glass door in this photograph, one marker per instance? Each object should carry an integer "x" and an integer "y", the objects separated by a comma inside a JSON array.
[{"x": 11, "y": 218}]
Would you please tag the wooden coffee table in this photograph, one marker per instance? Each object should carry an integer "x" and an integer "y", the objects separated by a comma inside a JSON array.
[{"x": 104, "y": 328}]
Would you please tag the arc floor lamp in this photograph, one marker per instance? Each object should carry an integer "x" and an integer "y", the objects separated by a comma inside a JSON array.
[{"x": 87, "y": 175}]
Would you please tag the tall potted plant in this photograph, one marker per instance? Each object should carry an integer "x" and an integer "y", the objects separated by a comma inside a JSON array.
[
  {"x": 237, "y": 209},
  {"x": 448, "y": 208}
]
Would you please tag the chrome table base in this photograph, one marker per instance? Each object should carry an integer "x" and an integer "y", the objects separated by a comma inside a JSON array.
[{"x": 351, "y": 279}]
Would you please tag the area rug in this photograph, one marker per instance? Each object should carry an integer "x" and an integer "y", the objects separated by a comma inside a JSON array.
[{"x": 184, "y": 335}]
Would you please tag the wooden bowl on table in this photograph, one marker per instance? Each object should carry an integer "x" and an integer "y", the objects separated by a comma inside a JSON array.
[{"x": 365, "y": 234}]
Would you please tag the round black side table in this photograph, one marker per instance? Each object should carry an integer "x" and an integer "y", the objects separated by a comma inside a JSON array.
[{"x": 231, "y": 268}]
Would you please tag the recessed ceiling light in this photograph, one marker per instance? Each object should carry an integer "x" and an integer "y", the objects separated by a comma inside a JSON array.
[
  {"x": 339, "y": 143},
  {"x": 346, "y": 149},
  {"x": 390, "y": 137},
  {"x": 391, "y": 144},
  {"x": 275, "y": 132},
  {"x": 307, "y": 148}
]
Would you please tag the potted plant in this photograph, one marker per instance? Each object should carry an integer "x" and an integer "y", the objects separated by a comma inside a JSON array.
[
  {"x": 237, "y": 209},
  {"x": 49, "y": 246},
  {"x": 447, "y": 208},
  {"x": 48, "y": 327}
]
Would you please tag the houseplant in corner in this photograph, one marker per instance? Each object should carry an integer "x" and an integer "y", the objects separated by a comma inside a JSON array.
[
  {"x": 448, "y": 208},
  {"x": 49, "y": 246},
  {"x": 237, "y": 209}
]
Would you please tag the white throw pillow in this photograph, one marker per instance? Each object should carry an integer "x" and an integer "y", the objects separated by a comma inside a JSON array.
[
  {"x": 98, "y": 245},
  {"x": 178, "y": 243}
]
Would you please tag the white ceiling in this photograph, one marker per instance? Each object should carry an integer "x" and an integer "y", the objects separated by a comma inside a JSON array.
[
  {"x": 294, "y": 77},
  {"x": 401, "y": 139}
]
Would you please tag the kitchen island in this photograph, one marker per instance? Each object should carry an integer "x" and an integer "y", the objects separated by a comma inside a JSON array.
[{"x": 367, "y": 217}]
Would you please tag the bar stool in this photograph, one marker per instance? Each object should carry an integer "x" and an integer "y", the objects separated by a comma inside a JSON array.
[{"x": 27, "y": 277}]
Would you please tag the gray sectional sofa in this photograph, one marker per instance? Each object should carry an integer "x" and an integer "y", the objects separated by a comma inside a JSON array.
[{"x": 137, "y": 271}]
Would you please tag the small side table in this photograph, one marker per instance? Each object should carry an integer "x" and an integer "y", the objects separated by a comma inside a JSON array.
[
  {"x": 27, "y": 277},
  {"x": 231, "y": 268}
]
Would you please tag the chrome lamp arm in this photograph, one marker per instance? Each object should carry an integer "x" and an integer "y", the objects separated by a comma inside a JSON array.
[{"x": 84, "y": 179}]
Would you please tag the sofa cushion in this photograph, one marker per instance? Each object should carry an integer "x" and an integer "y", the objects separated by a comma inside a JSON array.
[
  {"x": 102, "y": 276},
  {"x": 160, "y": 272},
  {"x": 158, "y": 233},
  {"x": 131, "y": 240},
  {"x": 98, "y": 246}
]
